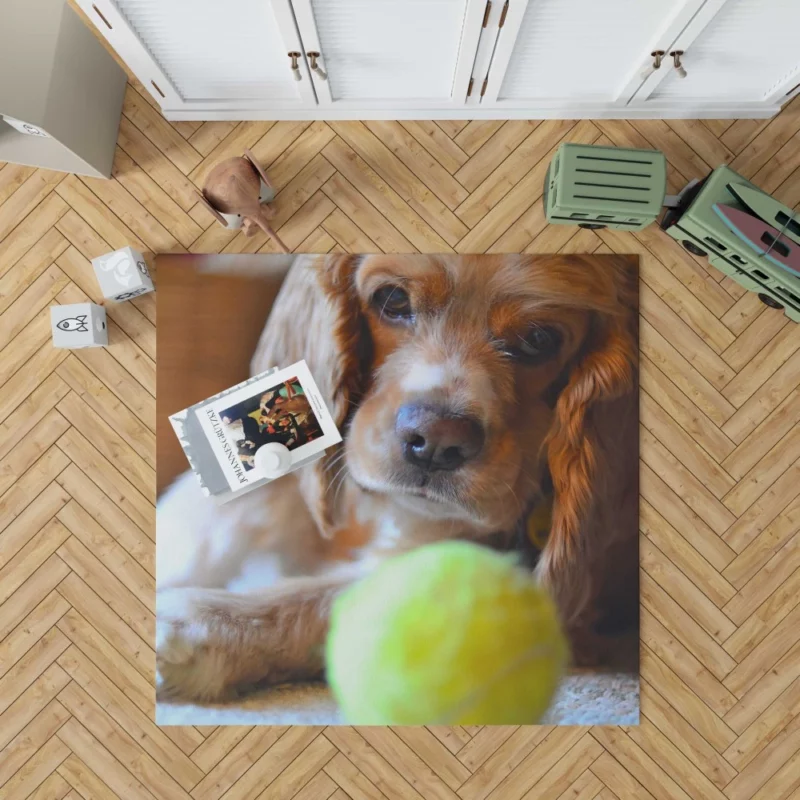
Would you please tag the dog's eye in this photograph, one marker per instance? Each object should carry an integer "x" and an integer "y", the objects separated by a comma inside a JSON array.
[
  {"x": 537, "y": 345},
  {"x": 393, "y": 302}
]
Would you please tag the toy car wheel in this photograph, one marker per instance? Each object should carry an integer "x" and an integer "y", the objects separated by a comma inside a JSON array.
[
  {"x": 693, "y": 248},
  {"x": 592, "y": 226},
  {"x": 769, "y": 301}
]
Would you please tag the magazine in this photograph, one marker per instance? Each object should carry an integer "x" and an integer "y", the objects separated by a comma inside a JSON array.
[{"x": 221, "y": 435}]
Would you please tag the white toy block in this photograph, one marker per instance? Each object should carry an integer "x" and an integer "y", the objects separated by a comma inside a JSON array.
[
  {"x": 122, "y": 274},
  {"x": 79, "y": 325}
]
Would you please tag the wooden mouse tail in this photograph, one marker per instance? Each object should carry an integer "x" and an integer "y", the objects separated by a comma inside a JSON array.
[{"x": 262, "y": 223}]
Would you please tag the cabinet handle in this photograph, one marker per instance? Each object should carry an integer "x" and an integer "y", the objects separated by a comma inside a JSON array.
[
  {"x": 676, "y": 60},
  {"x": 313, "y": 56},
  {"x": 295, "y": 66},
  {"x": 100, "y": 14},
  {"x": 658, "y": 56}
]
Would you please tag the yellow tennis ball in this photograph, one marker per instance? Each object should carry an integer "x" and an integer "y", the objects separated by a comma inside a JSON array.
[{"x": 449, "y": 634}]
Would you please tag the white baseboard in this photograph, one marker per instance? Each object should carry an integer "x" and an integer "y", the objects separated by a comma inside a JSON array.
[{"x": 684, "y": 111}]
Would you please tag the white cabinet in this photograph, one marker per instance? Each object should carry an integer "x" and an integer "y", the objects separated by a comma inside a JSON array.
[
  {"x": 735, "y": 51},
  {"x": 573, "y": 52},
  {"x": 207, "y": 54},
  {"x": 389, "y": 53},
  {"x": 338, "y": 59}
]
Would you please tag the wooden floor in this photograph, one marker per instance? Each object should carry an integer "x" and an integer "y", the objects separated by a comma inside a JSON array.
[{"x": 720, "y": 471}]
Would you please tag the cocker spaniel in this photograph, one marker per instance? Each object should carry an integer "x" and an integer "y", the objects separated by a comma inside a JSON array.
[{"x": 467, "y": 388}]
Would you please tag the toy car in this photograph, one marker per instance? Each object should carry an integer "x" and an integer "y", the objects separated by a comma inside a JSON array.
[
  {"x": 703, "y": 232},
  {"x": 605, "y": 187}
]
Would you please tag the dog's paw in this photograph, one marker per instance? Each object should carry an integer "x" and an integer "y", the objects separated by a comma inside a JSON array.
[{"x": 191, "y": 662}]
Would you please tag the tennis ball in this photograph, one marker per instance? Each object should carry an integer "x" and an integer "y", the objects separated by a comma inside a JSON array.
[{"x": 449, "y": 634}]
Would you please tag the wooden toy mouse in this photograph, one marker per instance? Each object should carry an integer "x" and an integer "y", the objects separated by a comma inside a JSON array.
[{"x": 236, "y": 192}]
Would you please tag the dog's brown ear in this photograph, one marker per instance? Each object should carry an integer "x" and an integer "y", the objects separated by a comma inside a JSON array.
[
  {"x": 350, "y": 339},
  {"x": 593, "y": 456},
  {"x": 317, "y": 317}
]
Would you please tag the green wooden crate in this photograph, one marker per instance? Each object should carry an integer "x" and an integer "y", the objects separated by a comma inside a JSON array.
[
  {"x": 700, "y": 230},
  {"x": 605, "y": 187}
]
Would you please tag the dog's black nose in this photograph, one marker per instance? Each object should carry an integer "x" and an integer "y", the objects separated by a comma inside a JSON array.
[{"x": 433, "y": 439}]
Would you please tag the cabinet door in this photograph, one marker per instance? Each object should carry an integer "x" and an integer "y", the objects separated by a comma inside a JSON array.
[
  {"x": 563, "y": 53},
  {"x": 744, "y": 51},
  {"x": 391, "y": 53},
  {"x": 207, "y": 54}
]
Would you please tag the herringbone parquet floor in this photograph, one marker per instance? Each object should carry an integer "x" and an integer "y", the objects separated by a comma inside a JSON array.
[{"x": 720, "y": 472}]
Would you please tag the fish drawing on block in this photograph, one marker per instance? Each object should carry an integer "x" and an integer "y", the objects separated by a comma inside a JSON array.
[
  {"x": 769, "y": 209},
  {"x": 763, "y": 238},
  {"x": 78, "y": 324}
]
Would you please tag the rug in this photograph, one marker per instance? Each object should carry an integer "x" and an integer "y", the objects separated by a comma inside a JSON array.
[
  {"x": 404, "y": 400},
  {"x": 582, "y": 699}
]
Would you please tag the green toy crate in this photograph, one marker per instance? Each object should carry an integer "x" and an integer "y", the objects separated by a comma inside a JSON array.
[
  {"x": 696, "y": 225},
  {"x": 605, "y": 187}
]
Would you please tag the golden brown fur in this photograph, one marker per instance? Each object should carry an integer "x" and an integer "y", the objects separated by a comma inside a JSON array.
[{"x": 570, "y": 418}]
